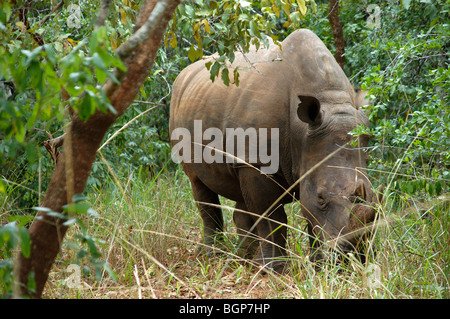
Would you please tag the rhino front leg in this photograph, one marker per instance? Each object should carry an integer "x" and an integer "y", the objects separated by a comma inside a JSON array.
[
  {"x": 211, "y": 214},
  {"x": 260, "y": 192}
]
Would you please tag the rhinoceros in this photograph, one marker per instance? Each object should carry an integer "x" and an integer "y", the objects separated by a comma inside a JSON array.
[{"x": 295, "y": 103}]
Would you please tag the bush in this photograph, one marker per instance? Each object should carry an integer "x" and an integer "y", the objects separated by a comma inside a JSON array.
[{"x": 404, "y": 65}]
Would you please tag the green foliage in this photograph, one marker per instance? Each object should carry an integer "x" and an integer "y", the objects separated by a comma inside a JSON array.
[
  {"x": 144, "y": 145},
  {"x": 12, "y": 236},
  {"x": 32, "y": 79},
  {"x": 404, "y": 64},
  {"x": 228, "y": 26},
  {"x": 38, "y": 74},
  {"x": 85, "y": 246}
]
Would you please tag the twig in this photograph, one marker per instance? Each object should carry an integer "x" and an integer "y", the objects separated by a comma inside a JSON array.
[
  {"x": 103, "y": 13},
  {"x": 148, "y": 279},
  {"x": 141, "y": 35},
  {"x": 52, "y": 144},
  {"x": 126, "y": 125},
  {"x": 147, "y": 102},
  {"x": 59, "y": 5},
  {"x": 136, "y": 275}
]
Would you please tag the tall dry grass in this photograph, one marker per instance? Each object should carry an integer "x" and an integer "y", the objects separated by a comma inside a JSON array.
[{"x": 150, "y": 230}]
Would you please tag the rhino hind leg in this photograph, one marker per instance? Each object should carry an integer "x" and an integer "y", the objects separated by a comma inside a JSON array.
[
  {"x": 244, "y": 222},
  {"x": 211, "y": 214},
  {"x": 260, "y": 192}
]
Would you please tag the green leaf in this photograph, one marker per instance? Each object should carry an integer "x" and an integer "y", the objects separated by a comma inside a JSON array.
[
  {"x": 295, "y": 18},
  {"x": 225, "y": 77},
  {"x": 214, "y": 70},
  {"x": 82, "y": 253},
  {"x": 236, "y": 76},
  {"x": 54, "y": 214},
  {"x": 19, "y": 130},
  {"x": 195, "y": 54},
  {"x": 97, "y": 38},
  {"x": 254, "y": 29},
  {"x": 190, "y": 12},
  {"x": 79, "y": 198},
  {"x": 213, "y": 5},
  {"x": 222, "y": 58},
  {"x": 192, "y": 54},
  {"x": 5, "y": 12},
  {"x": 286, "y": 9},
  {"x": 32, "y": 153},
  {"x": 76, "y": 208},
  {"x": 406, "y": 4},
  {"x": 25, "y": 242},
  {"x": 110, "y": 272},
  {"x": 42, "y": 209},
  {"x": 102, "y": 75},
  {"x": 31, "y": 283},
  {"x": 92, "y": 247},
  {"x": 31, "y": 55},
  {"x": 302, "y": 7},
  {"x": 70, "y": 222},
  {"x": 110, "y": 60},
  {"x": 87, "y": 107}
]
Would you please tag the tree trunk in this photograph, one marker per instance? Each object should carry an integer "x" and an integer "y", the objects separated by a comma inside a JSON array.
[
  {"x": 83, "y": 139},
  {"x": 337, "y": 32}
]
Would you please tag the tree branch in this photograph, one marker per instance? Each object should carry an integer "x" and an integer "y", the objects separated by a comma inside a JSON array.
[
  {"x": 103, "y": 13},
  {"x": 141, "y": 35},
  {"x": 338, "y": 34},
  {"x": 56, "y": 8},
  {"x": 82, "y": 141},
  {"x": 52, "y": 144}
]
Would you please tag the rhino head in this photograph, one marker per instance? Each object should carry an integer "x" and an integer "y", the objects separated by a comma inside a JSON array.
[{"x": 336, "y": 195}]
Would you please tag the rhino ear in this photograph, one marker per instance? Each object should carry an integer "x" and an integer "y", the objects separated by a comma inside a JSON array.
[
  {"x": 361, "y": 98},
  {"x": 309, "y": 110}
]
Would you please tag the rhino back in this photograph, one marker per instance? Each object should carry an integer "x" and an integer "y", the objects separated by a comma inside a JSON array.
[
  {"x": 304, "y": 66},
  {"x": 256, "y": 102}
]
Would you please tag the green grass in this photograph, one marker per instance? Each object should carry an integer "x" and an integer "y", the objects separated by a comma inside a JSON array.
[{"x": 150, "y": 229}]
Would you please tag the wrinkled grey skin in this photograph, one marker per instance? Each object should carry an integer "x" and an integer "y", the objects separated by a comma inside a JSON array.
[{"x": 302, "y": 91}]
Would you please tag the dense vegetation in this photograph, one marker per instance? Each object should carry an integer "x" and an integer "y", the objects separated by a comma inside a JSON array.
[{"x": 397, "y": 50}]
